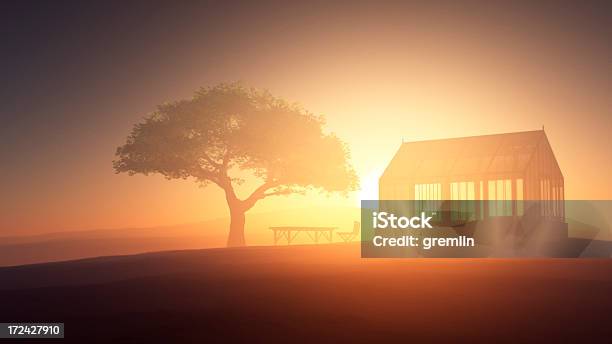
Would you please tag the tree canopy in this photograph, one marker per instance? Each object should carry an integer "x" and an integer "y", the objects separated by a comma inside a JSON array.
[{"x": 229, "y": 127}]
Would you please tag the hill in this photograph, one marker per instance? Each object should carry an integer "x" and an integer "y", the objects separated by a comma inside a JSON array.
[
  {"x": 311, "y": 293},
  {"x": 19, "y": 250}
]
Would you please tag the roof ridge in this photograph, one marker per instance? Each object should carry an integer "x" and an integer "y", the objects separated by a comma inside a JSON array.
[{"x": 474, "y": 136}]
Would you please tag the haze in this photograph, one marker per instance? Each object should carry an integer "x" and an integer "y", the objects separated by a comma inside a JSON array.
[{"x": 77, "y": 77}]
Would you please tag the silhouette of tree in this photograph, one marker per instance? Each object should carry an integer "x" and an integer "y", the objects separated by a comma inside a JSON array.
[{"x": 228, "y": 128}]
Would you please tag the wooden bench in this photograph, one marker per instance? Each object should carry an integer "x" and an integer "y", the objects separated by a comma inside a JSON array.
[{"x": 314, "y": 233}]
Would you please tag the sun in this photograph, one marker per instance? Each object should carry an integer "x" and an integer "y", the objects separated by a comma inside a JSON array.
[{"x": 369, "y": 186}]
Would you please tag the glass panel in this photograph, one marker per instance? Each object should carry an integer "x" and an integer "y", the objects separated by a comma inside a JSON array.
[
  {"x": 470, "y": 191},
  {"x": 480, "y": 203},
  {"x": 519, "y": 197},
  {"x": 499, "y": 204},
  {"x": 508, "y": 190},
  {"x": 492, "y": 211},
  {"x": 508, "y": 197}
]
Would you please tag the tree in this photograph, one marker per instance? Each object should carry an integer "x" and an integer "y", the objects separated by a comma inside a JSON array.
[{"x": 229, "y": 129}]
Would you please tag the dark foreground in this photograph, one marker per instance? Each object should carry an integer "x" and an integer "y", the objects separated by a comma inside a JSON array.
[{"x": 307, "y": 294}]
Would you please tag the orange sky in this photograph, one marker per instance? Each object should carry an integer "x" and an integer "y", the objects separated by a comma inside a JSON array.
[{"x": 378, "y": 76}]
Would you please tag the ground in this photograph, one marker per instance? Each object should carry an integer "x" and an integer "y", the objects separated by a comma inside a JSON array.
[{"x": 312, "y": 293}]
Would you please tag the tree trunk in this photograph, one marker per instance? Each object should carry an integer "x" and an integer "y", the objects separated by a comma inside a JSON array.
[
  {"x": 238, "y": 208},
  {"x": 236, "y": 232}
]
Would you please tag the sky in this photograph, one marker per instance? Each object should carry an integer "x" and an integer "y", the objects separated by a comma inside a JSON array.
[{"x": 78, "y": 75}]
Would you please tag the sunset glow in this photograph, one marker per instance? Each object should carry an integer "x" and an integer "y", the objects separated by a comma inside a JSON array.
[
  {"x": 433, "y": 75},
  {"x": 331, "y": 171}
]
